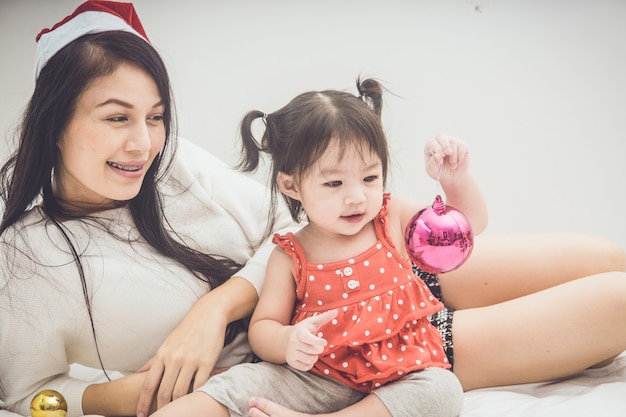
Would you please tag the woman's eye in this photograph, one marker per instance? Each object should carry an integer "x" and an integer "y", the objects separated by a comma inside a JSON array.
[
  {"x": 118, "y": 119},
  {"x": 156, "y": 118}
]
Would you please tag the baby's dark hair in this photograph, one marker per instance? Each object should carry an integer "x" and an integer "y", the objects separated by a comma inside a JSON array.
[{"x": 299, "y": 133}]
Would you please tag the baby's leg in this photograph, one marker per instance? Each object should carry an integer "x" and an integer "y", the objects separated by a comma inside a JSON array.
[
  {"x": 229, "y": 393},
  {"x": 368, "y": 406},
  {"x": 433, "y": 392}
]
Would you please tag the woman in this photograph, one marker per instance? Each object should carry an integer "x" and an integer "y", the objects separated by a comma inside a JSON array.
[
  {"x": 102, "y": 267},
  {"x": 112, "y": 231}
]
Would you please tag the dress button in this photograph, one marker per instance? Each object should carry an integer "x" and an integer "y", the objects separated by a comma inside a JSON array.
[
  {"x": 347, "y": 271},
  {"x": 353, "y": 284}
]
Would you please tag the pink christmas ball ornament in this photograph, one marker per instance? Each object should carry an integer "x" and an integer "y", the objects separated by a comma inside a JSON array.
[{"x": 439, "y": 238}]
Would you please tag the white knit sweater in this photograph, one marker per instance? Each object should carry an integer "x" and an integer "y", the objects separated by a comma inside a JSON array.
[{"x": 138, "y": 295}]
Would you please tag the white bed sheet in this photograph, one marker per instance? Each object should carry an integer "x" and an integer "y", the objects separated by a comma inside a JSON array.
[{"x": 595, "y": 392}]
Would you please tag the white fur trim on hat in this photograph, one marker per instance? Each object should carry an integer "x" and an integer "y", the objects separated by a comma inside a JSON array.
[{"x": 85, "y": 23}]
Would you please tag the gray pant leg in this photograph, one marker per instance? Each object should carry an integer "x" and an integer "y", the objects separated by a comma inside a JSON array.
[
  {"x": 433, "y": 392},
  {"x": 300, "y": 391}
]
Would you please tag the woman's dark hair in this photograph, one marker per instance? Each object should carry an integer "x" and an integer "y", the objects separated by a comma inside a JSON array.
[
  {"x": 27, "y": 175},
  {"x": 299, "y": 133}
]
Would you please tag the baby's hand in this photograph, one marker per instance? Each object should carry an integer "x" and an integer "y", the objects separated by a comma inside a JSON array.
[
  {"x": 446, "y": 157},
  {"x": 304, "y": 345}
]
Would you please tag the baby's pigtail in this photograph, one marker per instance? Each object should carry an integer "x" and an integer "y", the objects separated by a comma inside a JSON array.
[
  {"x": 251, "y": 156},
  {"x": 371, "y": 91},
  {"x": 249, "y": 145}
]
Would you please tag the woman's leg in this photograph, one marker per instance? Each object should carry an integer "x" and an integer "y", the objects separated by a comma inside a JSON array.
[
  {"x": 547, "y": 335},
  {"x": 501, "y": 268}
]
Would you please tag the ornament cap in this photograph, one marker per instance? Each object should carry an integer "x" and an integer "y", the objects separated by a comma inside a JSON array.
[{"x": 438, "y": 205}]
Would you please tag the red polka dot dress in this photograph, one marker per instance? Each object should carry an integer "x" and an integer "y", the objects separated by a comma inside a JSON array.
[{"x": 381, "y": 332}]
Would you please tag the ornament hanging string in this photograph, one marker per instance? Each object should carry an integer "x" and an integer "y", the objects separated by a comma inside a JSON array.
[{"x": 438, "y": 188}]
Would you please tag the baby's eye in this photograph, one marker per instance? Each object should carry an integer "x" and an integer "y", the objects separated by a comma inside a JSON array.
[
  {"x": 333, "y": 184},
  {"x": 370, "y": 178}
]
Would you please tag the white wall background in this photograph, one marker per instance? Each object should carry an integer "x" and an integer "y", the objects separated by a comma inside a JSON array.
[{"x": 537, "y": 87}]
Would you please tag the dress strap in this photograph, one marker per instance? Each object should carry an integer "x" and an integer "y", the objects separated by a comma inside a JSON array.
[
  {"x": 380, "y": 222},
  {"x": 290, "y": 245}
]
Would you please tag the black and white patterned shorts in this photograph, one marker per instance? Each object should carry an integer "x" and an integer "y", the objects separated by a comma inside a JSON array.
[{"x": 442, "y": 320}]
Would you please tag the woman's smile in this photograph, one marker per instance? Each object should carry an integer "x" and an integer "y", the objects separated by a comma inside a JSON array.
[{"x": 130, "y": 170}]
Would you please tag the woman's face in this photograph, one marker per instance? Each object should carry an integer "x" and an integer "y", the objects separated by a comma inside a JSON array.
[{"x": 111, "y": 140}]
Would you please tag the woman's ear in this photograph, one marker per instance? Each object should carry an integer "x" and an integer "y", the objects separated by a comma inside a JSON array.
[{"x": 287, "y": 185}]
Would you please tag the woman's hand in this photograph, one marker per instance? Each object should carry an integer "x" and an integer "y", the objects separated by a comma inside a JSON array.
[
  {"x": 446, "y": 158},
  {"x": 188, "y": 356},
  {"x": 184, "y": 361}
]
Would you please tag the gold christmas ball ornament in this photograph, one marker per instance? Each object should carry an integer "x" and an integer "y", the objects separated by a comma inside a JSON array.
[{"x": 48, "y": 403}]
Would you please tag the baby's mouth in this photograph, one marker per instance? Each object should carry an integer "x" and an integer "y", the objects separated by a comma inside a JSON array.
[{"x": 354, "y": 217}]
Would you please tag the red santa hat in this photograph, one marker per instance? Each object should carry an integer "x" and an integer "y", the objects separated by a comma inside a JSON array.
[{"x": 93, "y": 16}]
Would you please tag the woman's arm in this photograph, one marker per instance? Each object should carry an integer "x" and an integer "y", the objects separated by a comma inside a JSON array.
[
  {"x": 114, "y": 398},
  {"x": 191, "y": 351},
  {"x": 181, "y": 358}
]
